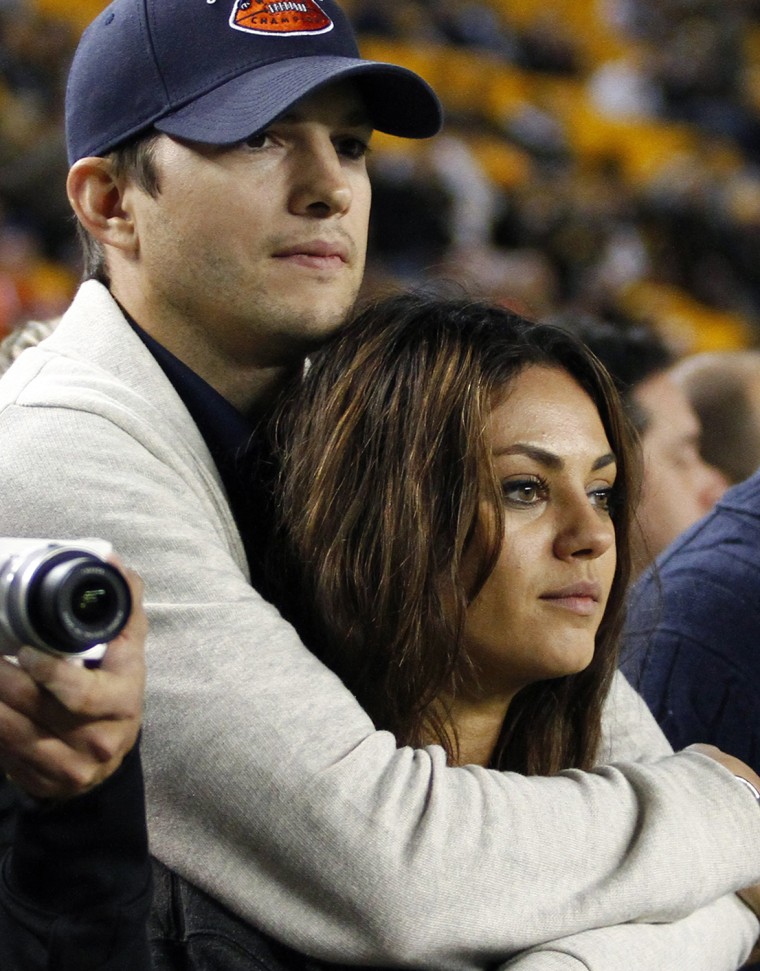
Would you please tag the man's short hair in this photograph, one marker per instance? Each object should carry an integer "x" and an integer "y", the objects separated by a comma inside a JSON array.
[{"x": 134, "y": 160}]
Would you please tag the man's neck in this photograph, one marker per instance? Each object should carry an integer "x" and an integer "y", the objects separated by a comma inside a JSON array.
[{"x": 248, "y": 387}]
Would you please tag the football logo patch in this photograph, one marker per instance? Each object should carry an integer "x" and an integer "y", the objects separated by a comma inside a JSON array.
[{"x": 284, "y": 17}]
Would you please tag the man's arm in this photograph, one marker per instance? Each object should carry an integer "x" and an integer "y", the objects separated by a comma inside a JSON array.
[
  {"x": 75, "y": 883},
  {"x": 696, "y": 942},
  {"x": 269, "y": 787}
]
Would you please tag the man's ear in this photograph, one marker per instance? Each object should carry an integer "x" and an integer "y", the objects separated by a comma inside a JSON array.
[{"x": 97, "y": 198}]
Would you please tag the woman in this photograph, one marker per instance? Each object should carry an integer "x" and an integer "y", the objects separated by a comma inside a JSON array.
[
  {"x": 453, "y": 487},
  {"x": 454, "y": 504},
  {"x": 455, "y": 495}
]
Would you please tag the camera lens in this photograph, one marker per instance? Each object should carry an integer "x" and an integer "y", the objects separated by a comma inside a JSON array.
[
  {"x": 92, "y": 602},
  {"x": 76, "y": 601}
]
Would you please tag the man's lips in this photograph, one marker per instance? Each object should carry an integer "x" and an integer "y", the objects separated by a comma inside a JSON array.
[
  {"x": 579, "y": 598},
  {"x": 317, "y": 253}
]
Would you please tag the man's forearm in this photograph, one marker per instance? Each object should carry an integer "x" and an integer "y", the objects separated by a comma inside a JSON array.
[{"x": 714, "y": 938}]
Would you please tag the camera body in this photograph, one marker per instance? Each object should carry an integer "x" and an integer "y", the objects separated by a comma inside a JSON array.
[{"x": 61, "y": 597}]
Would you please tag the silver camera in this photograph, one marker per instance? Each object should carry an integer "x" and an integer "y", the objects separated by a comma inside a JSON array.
[{"x": 60, "y": 596}]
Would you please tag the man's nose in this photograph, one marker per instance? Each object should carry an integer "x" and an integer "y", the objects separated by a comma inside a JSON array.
[{"x": 321, "y": 187}]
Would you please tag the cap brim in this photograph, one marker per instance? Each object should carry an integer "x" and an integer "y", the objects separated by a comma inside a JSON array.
[{"x": 399, "y": 101}]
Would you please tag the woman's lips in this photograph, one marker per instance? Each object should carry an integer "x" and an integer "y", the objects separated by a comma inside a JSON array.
[{"x": 580, "y": 598}]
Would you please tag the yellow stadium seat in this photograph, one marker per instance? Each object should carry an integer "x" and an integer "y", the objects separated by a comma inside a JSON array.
[
  {"x": 77, "y": 12},
  {"x": 688, "y": 325}
]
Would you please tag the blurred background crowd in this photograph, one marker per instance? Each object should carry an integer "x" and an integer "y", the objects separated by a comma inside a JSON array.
[{"x": 600, "y": 156}]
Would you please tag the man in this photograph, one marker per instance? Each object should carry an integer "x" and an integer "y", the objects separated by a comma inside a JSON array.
[
  {"x": 723, "y": 388},
  {"x": 678, "y": 487},
  {"x": 218, "y": 171},
  {"x": 692, "y": 634}
]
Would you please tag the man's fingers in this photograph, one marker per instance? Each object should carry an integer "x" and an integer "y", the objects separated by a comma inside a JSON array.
[
  {"x": 47, "y": 768},
  {"x": 49, "y": 765},
  {"x": 17, "y": 688},
  {"x": 64, "y": 727},
  {"x": 125, "y": 654},
  {"x": 71, "y": 693},
  {"x": 41, "y": 764},
  {"x": 114, "y": 690}
]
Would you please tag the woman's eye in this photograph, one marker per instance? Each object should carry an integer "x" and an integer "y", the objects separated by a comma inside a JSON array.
[
  {"x": 602, "y": 498},
  {"x": 523, "y": 492}
]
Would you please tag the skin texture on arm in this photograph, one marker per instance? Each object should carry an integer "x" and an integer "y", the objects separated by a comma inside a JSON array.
[{"x": 327, "y": 835}]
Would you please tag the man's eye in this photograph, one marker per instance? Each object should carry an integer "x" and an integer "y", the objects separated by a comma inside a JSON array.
[
  {"x": 354, "y": 148},
  {"x": 257, "y": 140}
]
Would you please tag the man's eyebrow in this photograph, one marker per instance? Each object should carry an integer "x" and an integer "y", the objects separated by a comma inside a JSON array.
[
  {"x": 549, "y": 459},
  {"x": 359, "y": 118}
]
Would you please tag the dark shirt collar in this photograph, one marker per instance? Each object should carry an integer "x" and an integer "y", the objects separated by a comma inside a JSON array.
[
  {"x": 228, "y": 435},
  {"x": 220, "y": 423}
]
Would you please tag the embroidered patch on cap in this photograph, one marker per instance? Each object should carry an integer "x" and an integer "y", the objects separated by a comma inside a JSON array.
[{"x": 289, "y": 17}]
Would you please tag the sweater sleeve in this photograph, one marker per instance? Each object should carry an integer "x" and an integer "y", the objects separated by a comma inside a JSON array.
[
  {"x": 75, "y": 887},
  {"x": 269, "y": 787},
  {"x": 695, "y": 943},
  {"x": 630, "y": 733}
]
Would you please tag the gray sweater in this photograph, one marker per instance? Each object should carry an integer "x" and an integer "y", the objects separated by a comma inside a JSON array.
[{"x": 269, "y": 787}]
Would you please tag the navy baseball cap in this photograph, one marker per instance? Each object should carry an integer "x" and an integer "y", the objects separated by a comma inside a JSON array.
[{"x": 216, "y": 71}]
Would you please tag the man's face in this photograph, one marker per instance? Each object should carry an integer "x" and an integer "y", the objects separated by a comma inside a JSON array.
[
  {"x": 250, "y": 255},
  {"x": 679, "y": 487}
]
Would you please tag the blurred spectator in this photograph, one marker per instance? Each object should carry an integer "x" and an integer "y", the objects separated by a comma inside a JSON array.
[
  {"x": 30, "y": 284},
  {"x": 548, "y": 45},
  {"x": 604, "y": 202},
  {"x": 24, "y": 335},
  {"x": 410, "y": 221},
  {"x": 37, "y": 270},
  {"x": 724, "y": 391},
  {"x": 678, "y": 487},
  {"x": 624, "y": 88}
]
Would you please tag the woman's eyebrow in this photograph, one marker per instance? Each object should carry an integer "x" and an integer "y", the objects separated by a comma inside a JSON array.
[
  {"x": 603, "y": 461},
  {"x": 549, "y": 459}
]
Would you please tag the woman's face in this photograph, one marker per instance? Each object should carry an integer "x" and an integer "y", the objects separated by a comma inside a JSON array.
[{"x": 539, "y": 611}]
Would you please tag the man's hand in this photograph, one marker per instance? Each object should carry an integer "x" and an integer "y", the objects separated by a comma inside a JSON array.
[
  {"x": 750, "y": 895},
  {"x": 730, "y": 762},
  {"x": 63, "y": 727}
]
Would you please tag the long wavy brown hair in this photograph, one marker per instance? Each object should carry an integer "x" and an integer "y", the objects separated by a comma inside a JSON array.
[{"x": 384, "y": 458}]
